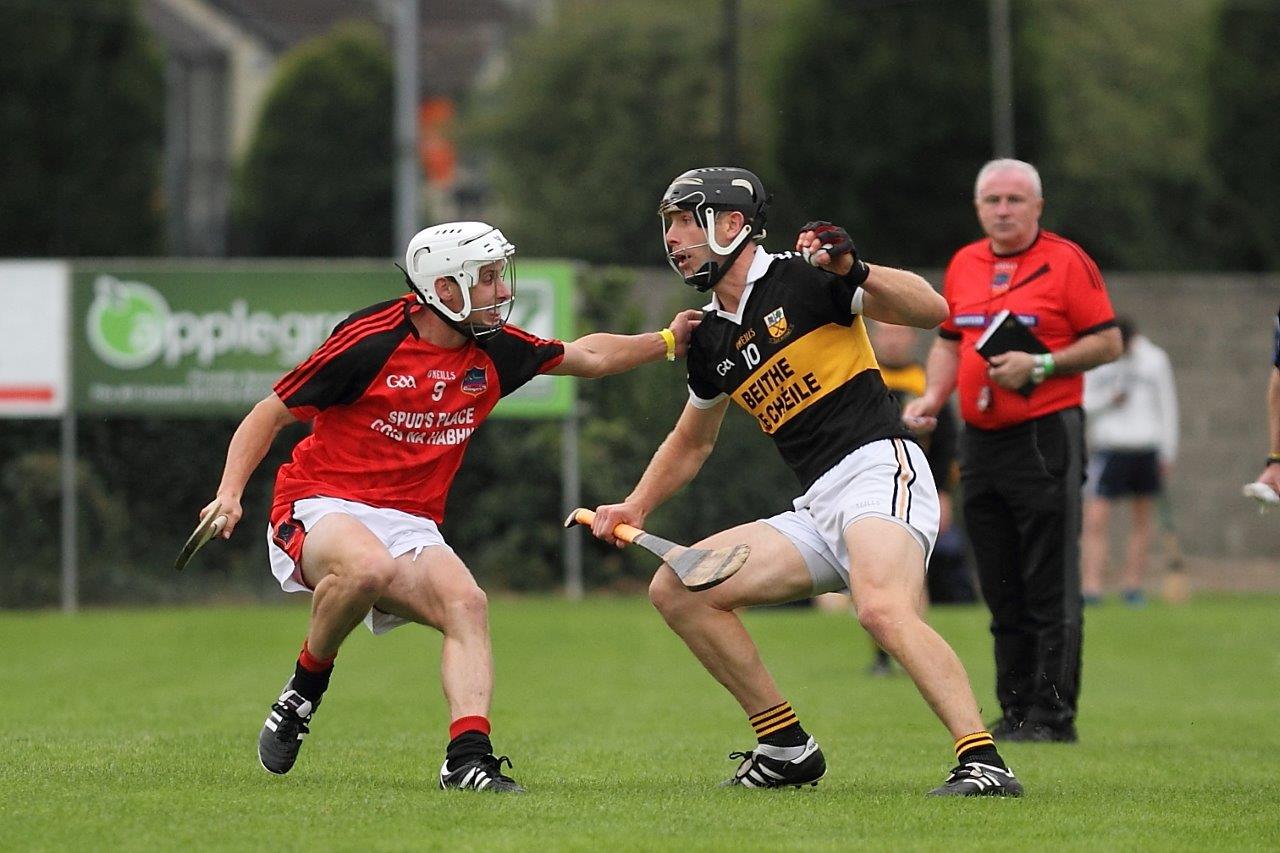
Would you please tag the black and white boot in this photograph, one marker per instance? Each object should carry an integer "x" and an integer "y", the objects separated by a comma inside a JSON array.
[
  {"x": 976, "y": 779},
  {"x": 282, "y": 733},
  {"x": 769, "y": 766},
  {"x": 479, "y": 773}
]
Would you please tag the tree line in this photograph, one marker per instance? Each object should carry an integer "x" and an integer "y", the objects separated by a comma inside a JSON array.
[{"x": 1151, "y": 122}]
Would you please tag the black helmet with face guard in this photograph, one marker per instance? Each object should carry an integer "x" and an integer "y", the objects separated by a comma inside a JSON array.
[{"x": 706, "y": 192}]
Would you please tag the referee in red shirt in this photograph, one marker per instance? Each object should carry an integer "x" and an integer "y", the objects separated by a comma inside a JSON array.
[{"x": 1022, "y": 454}]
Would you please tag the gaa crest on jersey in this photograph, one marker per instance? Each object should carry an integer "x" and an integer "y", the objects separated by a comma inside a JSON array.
[
  {"x": 1001, "y": 274},
  {"x": 474, "y": 381},
  {"x": 776, "y": 322}
]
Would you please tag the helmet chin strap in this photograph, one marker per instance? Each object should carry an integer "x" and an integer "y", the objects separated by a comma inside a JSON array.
[{"x": 710, "y": 273}]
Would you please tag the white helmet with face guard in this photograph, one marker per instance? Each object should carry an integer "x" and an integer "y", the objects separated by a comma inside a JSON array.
[{"x": 460, "y": 250}]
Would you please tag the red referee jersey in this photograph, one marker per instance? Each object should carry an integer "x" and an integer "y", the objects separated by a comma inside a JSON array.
[
  {"x": 393, "y": 413},
  {"x": 1053, "y": 287}
]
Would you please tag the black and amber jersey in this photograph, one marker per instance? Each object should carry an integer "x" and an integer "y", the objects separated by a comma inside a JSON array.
[{"x": 797, "y": 359}]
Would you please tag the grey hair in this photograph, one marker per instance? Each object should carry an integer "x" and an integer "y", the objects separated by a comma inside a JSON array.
[{"x": 993, "y": 166}]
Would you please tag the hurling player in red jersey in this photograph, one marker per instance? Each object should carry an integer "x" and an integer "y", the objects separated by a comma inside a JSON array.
[
  {"x": 394, "y": 395},
  {"x": 1023, "y": 443}
]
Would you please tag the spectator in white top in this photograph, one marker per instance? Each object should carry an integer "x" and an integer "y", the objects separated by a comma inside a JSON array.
[{"x": 1132, "y": 412}]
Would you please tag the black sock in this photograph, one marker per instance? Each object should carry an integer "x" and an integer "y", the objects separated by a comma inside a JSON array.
[
  {"x": 978, "y": 746},
  {"x": 779, "y": 726},
  {"x": 310, "y": 685},
  {"x": 470, "y": 744}
]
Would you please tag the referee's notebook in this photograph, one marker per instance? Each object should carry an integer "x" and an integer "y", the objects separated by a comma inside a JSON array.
[{"x": 1007, "y": 333}]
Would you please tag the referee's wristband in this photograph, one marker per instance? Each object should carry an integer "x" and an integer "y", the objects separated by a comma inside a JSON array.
[
  {"x": 1273, "y": 459},
  {"x": 1042, "y": 367},
  {"x": 669, "y": 337}
]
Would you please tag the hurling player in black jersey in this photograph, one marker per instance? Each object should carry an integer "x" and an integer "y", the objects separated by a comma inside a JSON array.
[{"x": 783, "y": 337}]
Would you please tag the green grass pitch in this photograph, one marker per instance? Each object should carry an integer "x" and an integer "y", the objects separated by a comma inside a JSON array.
[{"x": 136, "y": 729}]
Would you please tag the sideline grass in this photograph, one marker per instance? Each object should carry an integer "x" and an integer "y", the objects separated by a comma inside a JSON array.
[{"x": 129, "y": 729}]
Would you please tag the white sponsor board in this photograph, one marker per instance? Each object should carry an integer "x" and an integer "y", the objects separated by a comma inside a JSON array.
[{"x": 33, "y": 338}]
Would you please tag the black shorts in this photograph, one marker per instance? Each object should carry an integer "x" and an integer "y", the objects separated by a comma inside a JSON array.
[{"x": 1124, "y": 473}]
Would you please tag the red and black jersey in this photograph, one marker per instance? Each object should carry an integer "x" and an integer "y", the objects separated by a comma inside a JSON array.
[
  {"x": 796, "y": 358},
  {"x": 393, "y": 413},
  {"x": 1054, "y": 288}
]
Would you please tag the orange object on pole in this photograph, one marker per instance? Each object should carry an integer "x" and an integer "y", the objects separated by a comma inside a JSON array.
[{"x": 435, "y": 147}]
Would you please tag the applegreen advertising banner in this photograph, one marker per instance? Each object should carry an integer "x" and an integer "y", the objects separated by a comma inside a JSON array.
[{"x": 212, "y": 339}]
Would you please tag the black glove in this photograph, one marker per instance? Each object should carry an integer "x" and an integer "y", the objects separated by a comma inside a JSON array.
[{"x": 837, "y": 241}]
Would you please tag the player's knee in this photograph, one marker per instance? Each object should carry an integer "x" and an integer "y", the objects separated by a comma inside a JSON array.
[
  {"x": 665, "y": 592},
  {"x": 883, "y": 617},
  {"x": 467, "y": 605},
  {"x": 370, "y": 575}
]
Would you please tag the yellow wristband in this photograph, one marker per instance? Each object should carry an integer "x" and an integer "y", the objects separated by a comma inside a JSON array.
[{"x": 670, "y": 338}]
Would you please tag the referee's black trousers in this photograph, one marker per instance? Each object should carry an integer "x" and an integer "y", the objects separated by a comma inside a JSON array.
[{"x": 1022, "y": 513}]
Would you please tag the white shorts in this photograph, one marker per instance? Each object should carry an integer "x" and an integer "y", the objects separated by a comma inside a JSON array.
[
  {"x": 887, "y": 479},
  {"x": 398, "y": 531}
]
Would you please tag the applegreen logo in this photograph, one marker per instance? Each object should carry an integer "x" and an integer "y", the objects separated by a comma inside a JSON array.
[
  {"x": 126, "y": 322},
  {"x": 131, "y": 325}
]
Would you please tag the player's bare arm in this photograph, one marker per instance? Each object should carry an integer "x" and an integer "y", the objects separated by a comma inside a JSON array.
[
  {"x": 1270, "y": 475},
  {"x": 901, "y": 297},
  {"x": 250, "y": 443},
  {"x": 676, "y": 461},
  {"x": 1012, "y": 369},
  {"x": 890, "y": 295},
  {"x": 941, "y": 369},
  {"x": 604, "y": 354}
]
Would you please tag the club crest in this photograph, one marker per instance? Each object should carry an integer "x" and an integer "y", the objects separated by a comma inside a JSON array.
[
  {"x": 1002, "y": 274},
  {"x": 474, "y": 381},
  {"x": 776, "y": 322}
]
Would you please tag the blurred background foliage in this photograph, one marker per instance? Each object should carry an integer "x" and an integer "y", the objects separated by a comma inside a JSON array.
[
  {"x": 81, "y": 131},
  {"x": 317, "y": 181},
  {"x": 1154, "y": 125}
]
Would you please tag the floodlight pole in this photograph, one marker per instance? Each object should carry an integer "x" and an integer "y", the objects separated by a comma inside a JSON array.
[
  {"x": 1001, "y": 79},
  {"x": 729, "y": 94},
  {"x": 408, "y": 175}
]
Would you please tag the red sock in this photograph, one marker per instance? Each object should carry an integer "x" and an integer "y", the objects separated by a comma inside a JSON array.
[
  {"x": 311, "y": 663},
  {"x": 469, "y": 724}
]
